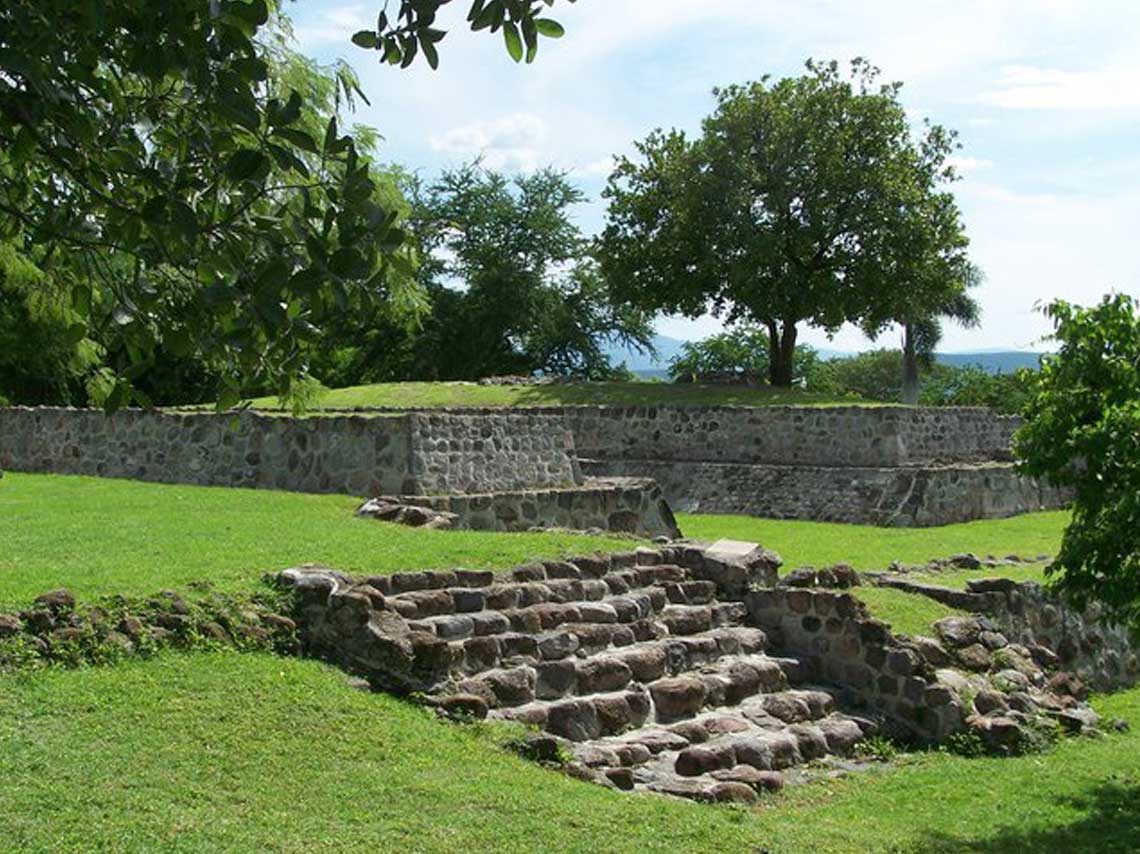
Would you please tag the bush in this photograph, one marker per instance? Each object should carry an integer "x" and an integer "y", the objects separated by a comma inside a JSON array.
[
  {"x": 877, "y": 375},
  {"x": 1082, "y": 432},
  {"x": 741, "y": 352}
]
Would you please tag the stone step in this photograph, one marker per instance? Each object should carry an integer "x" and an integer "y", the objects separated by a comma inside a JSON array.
[
  {"x": 559, "y": 696},
  {"x": 669, "y": 584},
  {"x": 580, "y": 568},
  {"x": 649, "y": 603},
  {"x": 644, "y": 647},
  {"x": 743, "y": 745}
]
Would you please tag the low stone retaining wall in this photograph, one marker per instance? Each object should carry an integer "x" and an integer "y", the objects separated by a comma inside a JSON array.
[
  {"x": 847, "y": 647},
  {"x": 417, "y": 453},
  {"x": 1102, "y": 655},
  {"x": 623, "y": 505},
  {"x": 903, "y": 497}
]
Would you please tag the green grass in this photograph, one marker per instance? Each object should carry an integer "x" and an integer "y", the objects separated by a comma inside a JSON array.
[
  {"x": 98, "y": 536},
  {"x": 864, "y": 547},
  {"x": 428, "y": 395},
  {"x": 907, "y": 613},
  {"x": 229, "y": 752}
]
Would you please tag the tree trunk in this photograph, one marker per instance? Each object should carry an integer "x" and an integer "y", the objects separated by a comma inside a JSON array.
[
  {"x": 910, "y": 367},
  {"x": 783, "y": 349},
  {"x": 773, "y": 350}
]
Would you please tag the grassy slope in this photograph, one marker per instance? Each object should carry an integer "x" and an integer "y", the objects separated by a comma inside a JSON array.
[
  {"x": 251, "y": 753},
  {"x": 99, "y": 536},
  {"x": 864, "y": 547},
  {"x": 423, "y": 395}
]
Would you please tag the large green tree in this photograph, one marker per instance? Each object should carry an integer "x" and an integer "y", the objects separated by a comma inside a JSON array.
[
  {"x": 1082, "y": 431},
  {"x": 149, "y": 158},
  {"x": 788, "y": 209},
  {"x": 511, "y": 280}
]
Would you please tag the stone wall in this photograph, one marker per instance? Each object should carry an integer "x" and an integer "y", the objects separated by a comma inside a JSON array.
[
  {"x": 884, "y": 465},
  {"x": 622, "y": 505},
  {"x": 1101, "y": 654},
  {"x": 905, "y": 496},
  {"x": 860, "y": 436},
  {"x": 355, "y": 455},
  {"x": 846, "y": 647}
]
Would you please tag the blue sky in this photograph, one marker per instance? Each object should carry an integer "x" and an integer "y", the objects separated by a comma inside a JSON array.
[{"x": 1044, "y": 93}]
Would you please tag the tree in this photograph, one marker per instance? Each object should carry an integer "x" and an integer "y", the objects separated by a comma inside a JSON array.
[
  {"x": 1082, "y": 432},
  {"x": 511, "y": 281},
  {"x": 780, "y": 213},
  {"x": 153, "y": 162},
  {"x": 44, "y": 357},
  {"x": 926, "y": 262}
]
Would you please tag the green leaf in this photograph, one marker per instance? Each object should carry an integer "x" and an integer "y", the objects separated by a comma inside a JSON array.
[
  {"x": 81, "y": 299},
  {"x": 251, "y": 68},
  {"x": 429, "y": 52},
  {"x": 550, "y": 29},
  {"x": 366, "y": 39},
  {"x": 255, "y": 12},
  {"x": 530, "y": 38},
  {"x": 486, "y": 18},
  {"x": 287, "y": 160},
  {"x": 24, "y": 145},
  {"x": 514, "y": 40},
  {"x": 243, "y": 164},
  {"x": 299, "y": 138},
  {"x": 330, "y": 134},
  {"x": 76, "y": 332},
  {"x": 183, "y": 218},
  {"x": 291, "y": 111},
  {"x": 154, "y": 211},
  {"x": 178, "y": 342}
]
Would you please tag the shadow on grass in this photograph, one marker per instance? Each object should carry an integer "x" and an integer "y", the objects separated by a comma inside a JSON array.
[{"x": 1111, "y": 823}]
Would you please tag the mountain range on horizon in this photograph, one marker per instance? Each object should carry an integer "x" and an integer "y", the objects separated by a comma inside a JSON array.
[{"x": 996, "y": 361}]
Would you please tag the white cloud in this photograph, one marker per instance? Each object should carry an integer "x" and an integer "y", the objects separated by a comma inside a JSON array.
[
  {"x": 1027, "y": 87},
  {"x": 514, "y": 142},
  {"x": 333, "y": 26},
  {"x": 966, "y": 165}
]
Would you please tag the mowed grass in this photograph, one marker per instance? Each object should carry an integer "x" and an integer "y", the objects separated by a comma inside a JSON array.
[
  {"x": 425, "y": 395},
  {"x": 101, "y": 536},
  {"x": 865, "y": 547},
  {"x": 249, "y": 753}
]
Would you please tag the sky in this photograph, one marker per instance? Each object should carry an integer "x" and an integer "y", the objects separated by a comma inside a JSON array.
[{"x": 1045, "y": 95}]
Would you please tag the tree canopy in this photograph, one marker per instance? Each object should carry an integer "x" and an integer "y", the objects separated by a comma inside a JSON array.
[
  {"x": 186, "y": 196},
  {"x": 511, "y": 281},
  {"x": 1082, "y": 431},
  {"x": 803, "y": 201}
]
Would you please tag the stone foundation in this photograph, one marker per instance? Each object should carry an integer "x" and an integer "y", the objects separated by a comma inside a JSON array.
[
  {"x": 412, "y": 453},
  {"x": 623, "y": 505},
  {"x": 909, "y": 496}
]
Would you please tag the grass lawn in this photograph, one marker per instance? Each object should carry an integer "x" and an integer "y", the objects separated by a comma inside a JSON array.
[
  {"x": 97, "y": 536},
  {"x": 865, "y": 547},
  {"x": 425, "y": 395},
  {"x": 229, "y": 752}
]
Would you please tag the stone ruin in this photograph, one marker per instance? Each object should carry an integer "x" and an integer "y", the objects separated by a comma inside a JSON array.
[
  {"x": 499, "y": 471},
  {"x": 694, "y": 671},
  {"x": 608, "y": 468}
]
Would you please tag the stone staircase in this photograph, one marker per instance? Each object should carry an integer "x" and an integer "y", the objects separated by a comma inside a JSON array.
[{"x": 638, "y": 665}]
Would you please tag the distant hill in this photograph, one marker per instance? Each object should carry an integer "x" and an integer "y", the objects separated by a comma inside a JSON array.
[
  {"x": 644, "y": 365},
  {"x": 995, "y": 362}
]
